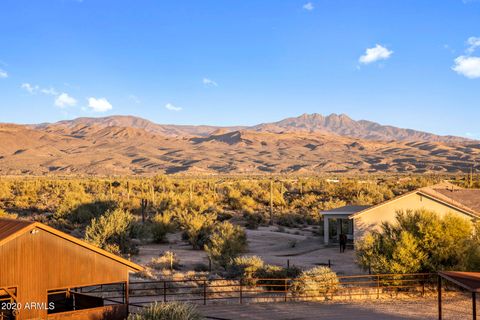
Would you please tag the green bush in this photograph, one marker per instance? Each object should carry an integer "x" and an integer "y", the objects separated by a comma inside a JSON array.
[
  {"x": 226, "y": 242},
  {"x": 420, "y": 241},
  {"x": 245, "y": 267},
  {"x": 168, "y": 311},
  {"x": 273, "y": 277},
  {"x": 316, "y": 282},
  {"x": 5, "y": 214},
  {"x": 162, "y": 224},
  {"x": 197, "y": 227},
  {"x": 111, "y": 232}
]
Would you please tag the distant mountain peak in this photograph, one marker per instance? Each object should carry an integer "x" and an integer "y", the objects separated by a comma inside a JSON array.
[{"x": 343, "y": 125}]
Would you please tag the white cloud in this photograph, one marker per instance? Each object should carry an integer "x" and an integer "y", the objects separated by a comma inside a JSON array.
[
  {"x": 33, "y": 89},
  {"x": 3, "y": 74},
  {"x": 64, "y": 100},
  {"x": 29, "y": 87},
  {"x": 467, "y": 66},
  {"x": 171, "y": 107},
  {"x": 99, "y": 105},
  {"x": 209, "y": 82},
  {"x": 49, "y": 91},
  {"x": 308, "y": 6},
  {"x": 474, "y": 43},
  {"x": 375, "y": 54}
]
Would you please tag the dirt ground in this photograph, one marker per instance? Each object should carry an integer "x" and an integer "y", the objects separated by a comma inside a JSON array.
[
  {"x": 275, "y": 245},
  {"x": 359, "y": 310}
]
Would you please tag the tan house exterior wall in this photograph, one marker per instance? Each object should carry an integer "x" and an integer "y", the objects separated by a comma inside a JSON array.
[{"x": 373, "y": 218}]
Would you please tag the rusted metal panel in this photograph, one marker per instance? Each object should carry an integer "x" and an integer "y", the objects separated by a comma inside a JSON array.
[
  {"x": 9, "y": 227},
  {"x": 38, "y": 261}
]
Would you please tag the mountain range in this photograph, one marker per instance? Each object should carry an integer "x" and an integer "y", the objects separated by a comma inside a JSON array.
[{"x": 308, "y": 144}]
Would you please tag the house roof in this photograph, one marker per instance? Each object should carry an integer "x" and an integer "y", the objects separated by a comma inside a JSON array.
[
  {"x": 465, "y": 200},
  {"x": 466, "y": 280},
  {"x": 346, "y": 210},
  {"x": 12, "y": 228}
]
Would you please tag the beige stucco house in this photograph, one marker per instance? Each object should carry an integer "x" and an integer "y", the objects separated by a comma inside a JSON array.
[{"x": 356, "y": 221}]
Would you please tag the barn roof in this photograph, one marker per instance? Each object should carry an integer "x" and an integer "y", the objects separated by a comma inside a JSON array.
[{"x": 12, "y": 228}]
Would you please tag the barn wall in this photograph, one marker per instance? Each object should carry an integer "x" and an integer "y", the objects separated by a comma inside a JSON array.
[
  {"x": 38, "y": 262},
  {"x": 372, "y": 220}
]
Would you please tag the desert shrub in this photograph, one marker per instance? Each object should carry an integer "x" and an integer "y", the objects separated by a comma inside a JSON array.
[
  {"x": 168, "y": 311},
  {"x": 315, "y": 282},
  {"x": 111, "y": 231},
  {"x": 290, "y": 219},
  {"x": 168, "y": 260},
  {"x": 162, "y": 224},
  {"x": 197, "y": 227},
  {"x": 245, "y": 267},
  {"x": 254, "y": 220},
  {"x": 5, "y": 214},
  {"x": 273, "y": 277},
  {"x": 201, "y": 267},
  {"x": 85, "y": 212},
  {"x": 226, "y": 242},
  {"x": 419, "y": 241}
]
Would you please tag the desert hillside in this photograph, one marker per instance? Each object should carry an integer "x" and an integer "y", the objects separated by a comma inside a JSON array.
[{"x": 304, "y": 145}]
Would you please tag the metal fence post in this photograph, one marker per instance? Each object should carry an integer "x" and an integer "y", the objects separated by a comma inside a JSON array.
[
  {"x": 164, "y": 291},
  {"x": 474, "y": 305},
  {"x": 378, "y": 286},
  {"x": 423, "y": 286},
  {"x": 204, "y": 292},
  {"x": 241, "y": 291},
  {"x": 439, "y": 291}
]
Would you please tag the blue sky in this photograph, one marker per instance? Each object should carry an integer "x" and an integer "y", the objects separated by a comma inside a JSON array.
[{"x": 409, "y": 63}]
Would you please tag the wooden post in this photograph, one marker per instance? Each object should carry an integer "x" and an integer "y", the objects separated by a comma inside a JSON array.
[
  {"x": 474, "y": 305},
  {"x": 439, "y": 291},
  {"x": 286, "y": 290}
]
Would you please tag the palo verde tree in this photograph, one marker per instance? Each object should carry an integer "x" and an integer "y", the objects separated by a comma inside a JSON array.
[{"x": 420, "y": 241}]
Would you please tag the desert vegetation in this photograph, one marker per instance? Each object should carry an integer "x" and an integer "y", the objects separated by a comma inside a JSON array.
[
  {"x": 421, "y": 241},
  {"x": 212, "y": 214},
  {"x": 168, "y": 311}
]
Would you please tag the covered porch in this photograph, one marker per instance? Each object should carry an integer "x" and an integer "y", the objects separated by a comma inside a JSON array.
[{"x": 337, "y": 221}]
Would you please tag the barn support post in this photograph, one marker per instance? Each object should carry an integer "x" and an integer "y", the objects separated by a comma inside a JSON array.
[{"x": 439, "y": 291}]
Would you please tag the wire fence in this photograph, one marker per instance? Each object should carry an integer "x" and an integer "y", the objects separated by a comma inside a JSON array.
[{"x": 205, "y": 291}]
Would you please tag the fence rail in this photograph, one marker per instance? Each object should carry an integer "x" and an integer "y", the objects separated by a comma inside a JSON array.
[{"x": 203, "y": 291}]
